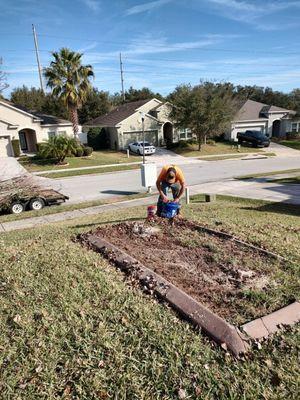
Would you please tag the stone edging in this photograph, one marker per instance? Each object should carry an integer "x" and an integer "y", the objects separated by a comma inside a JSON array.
[
  {"x": 263, "y": 327},
  {"x": 214, "y": 326}
]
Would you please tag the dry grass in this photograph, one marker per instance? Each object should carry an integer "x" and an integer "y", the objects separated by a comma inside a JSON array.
[{"x": 71, "y": 328}]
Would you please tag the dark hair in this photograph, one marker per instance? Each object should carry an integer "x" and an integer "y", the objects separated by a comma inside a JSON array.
[{"x": 171, "y": 169}]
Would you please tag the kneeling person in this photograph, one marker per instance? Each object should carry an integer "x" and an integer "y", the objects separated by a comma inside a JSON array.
[{"x": 169, "y": 177}]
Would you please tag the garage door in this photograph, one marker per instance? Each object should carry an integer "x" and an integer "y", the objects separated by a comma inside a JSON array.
[
  {"x": 250, "y": 128},
  {"x": 4, "y": 147},
  {"x": 150, "y": 136}
]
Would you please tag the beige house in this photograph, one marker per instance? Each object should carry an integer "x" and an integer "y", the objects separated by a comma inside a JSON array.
[
  {"x": 271, "y": 120},
  {"x": 27, "y": 126},
  {"x": 123, "y": 125}
]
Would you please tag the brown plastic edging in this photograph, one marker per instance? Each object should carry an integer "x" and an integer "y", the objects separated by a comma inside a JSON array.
[
  {"x": 214, "y": 326},
  {"x": 246, "y": 244}
]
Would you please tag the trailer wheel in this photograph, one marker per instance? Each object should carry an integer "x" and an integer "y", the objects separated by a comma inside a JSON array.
[
  {"x": 17, "y": 207},
  {"x": 36, "y": 204}
]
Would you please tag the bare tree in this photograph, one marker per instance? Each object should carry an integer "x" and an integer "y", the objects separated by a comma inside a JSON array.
[{"x": 3, "y": 84}]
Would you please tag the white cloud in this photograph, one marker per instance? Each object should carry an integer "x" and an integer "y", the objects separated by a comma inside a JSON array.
[
  {"x": 253, "y": 13},
  {"x": 88, "y": 47},
  {"x": 140, "y": 8},
  {"x": 148, "y": 44},
  {"x": 93, "y": 5}
]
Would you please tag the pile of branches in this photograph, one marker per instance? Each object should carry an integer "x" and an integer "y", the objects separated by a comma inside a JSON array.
[{"x": 23, "y": 187}]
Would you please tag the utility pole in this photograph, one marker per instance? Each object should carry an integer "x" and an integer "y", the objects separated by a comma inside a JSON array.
[
  {"x": 37, "y": 57},
  {"x": 122, "y": 78}
]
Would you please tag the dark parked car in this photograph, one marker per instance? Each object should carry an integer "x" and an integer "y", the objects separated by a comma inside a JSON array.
[{"x": 256, "y": 138}]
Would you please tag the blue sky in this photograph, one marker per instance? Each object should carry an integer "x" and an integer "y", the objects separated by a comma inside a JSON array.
[{"x": 163, "y": 42}]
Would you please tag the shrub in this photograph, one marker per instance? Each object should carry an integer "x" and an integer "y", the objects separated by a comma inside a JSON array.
[
  {"x": 211, "y": 142},
  {"x": 97, "y": 139},
  {"x": 58, "y": 147},
  {"x": 79, "y": 151},
  {"x": 16, "y": 147},
  {"x": 192, "y": 141},
  {"x": 293, "y": 135},
  {"x": 182, "y": 144},
  {"x": 87, "y": 151}
]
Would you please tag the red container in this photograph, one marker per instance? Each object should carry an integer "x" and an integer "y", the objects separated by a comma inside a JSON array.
[{"x": 151, "y": 210}]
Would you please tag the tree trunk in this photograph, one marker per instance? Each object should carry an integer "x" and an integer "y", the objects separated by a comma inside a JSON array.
[
  {"x": 199, "y": 142},
  {"x": 74, "y": 120},
  {"x": 204, "y": 139}
]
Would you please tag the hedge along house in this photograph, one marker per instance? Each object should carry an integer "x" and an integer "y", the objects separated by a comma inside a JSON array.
[
  {"x": 271, "y": 120},
  {"x": 29, "y": 127},
  {"x": 123, "y": 125}
]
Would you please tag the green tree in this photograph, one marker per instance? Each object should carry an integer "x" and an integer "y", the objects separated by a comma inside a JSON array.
[
  {"x": 35, "y": 100},
  {"x": 69, "y": 81},
  {"x": 55, "y": 106},
  {"x": 30, "y": 98},
  {"x": 295, "y": 99},
  {"x": 97, "y": 103},
  {"x": 206, "y": 109},
  {"x": 58, "y": 147},
  {"x": 134, "y": 95}
]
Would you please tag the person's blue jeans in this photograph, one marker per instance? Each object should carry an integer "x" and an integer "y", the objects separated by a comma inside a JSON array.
[{"x": 175, "y": 188}]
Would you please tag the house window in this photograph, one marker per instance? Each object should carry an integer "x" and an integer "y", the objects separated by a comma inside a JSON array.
[
  {"x": 64, "y": 133},
  {"x": 185, "y": 133},
  {"x": 189, "y": 133},
  {"x": 294, "y": 126},
  {"x": 51, "y": 134},
  {"x": 182, "y": 133}
]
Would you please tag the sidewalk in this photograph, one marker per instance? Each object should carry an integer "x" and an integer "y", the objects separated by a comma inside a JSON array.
[
  {"x": 274, "y": 192},
  {"x": 54, "y": 171},
  {"x": 67, "y": 215}
]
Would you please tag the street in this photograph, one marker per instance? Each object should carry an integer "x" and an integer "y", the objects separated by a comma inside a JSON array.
[{"x": 105, "y": 186}]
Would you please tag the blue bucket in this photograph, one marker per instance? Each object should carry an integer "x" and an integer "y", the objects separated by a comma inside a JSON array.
[{"x": 170, "y": 210}]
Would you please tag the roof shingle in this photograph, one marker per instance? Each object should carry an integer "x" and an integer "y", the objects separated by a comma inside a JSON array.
[
  {"x": 118, "y": 114},
  {"x": 254, "y": 110}
]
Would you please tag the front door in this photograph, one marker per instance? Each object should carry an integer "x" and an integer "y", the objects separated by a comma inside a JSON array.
[{"x": 23, "y": 141}]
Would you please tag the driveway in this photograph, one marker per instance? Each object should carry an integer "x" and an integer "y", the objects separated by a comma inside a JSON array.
[
  {"x": 253, "y": 189},
  {"x": 10, "y": 168},
  {"x": 282, "y": 151},
  {"x": 163, "y": 157}
]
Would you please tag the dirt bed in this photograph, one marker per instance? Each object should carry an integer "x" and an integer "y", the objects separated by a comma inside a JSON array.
[{"x": 233, "y": 281}]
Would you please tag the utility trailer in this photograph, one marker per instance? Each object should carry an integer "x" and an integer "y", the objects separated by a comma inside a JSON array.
[
  {"x": 18, "y": 195},
  {"x": 37, "y": 202}
]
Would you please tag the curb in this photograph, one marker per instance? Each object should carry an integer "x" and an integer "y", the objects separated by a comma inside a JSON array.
[{"x": 214, "y": 326}]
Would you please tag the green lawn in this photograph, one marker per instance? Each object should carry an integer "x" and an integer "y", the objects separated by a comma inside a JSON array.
[
  {"x": 294, "y": 144},
  {"x": 97, "y": 158},
  {"x": 71, "y": 328},
  {"x": 216, "y": 149},
  {"x": 266, "y": 174},
  {"x": 102, "y": 170},
  {"x": 232, "y": 157}
]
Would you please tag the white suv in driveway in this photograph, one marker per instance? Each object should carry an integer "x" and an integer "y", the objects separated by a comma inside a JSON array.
[{"x": 137, "y": 147}]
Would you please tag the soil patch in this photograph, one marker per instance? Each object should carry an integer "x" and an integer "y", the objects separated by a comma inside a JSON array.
[{"x": 228, "y": 278}]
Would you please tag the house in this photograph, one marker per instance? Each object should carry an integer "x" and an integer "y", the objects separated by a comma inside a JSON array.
[
  {"x": 123, "y": 125},
  {"x": 271, "y": 120},
  {"x": 28, "y": 126}
]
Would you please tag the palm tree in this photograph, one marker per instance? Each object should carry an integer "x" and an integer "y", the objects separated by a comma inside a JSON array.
[{"x": 69, "y": 81}]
